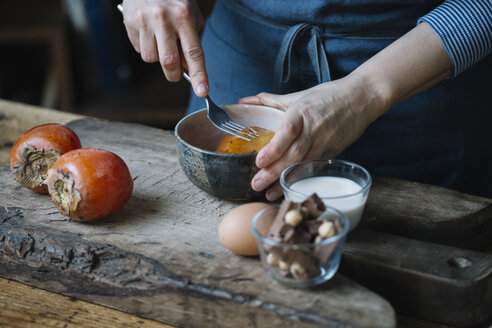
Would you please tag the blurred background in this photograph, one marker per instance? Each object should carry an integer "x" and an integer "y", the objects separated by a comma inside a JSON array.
[{"x": 74, "y": 55}]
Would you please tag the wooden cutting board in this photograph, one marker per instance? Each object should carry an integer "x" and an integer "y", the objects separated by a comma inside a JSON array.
[{"x": 160, "y": 257}]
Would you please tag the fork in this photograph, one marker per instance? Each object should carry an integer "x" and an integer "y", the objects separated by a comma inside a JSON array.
[{"x": 222, "y": 121}]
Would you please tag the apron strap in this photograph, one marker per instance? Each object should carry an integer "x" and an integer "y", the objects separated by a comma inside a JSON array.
[{"x": 285, "y": 59}]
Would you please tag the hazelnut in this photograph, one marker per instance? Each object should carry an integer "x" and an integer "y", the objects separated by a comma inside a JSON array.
[
  {"x": 293, "y": 217},
  {"x": 272, "y": 259},
  {"x": 296, "y": 269},
  {"x": 327, "y": 229},
  {"x": 283, "y": 265},
  {"x": 304, "y": 212}
]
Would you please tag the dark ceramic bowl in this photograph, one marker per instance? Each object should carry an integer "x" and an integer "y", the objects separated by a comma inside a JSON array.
[{"x": 226, "y": 176}]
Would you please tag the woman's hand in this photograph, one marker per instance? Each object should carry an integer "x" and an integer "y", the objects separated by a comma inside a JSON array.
[
  {"x": 319, "y": 122},
  {"x": 167, "y": 31}
]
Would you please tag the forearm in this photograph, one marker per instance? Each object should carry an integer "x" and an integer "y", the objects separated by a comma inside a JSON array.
[
  {"x": 456, "y": 35},
  {"x": 411, "y": 64}
]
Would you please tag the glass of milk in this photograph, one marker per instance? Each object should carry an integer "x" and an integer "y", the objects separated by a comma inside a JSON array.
[{"x": 340, "y": 184}]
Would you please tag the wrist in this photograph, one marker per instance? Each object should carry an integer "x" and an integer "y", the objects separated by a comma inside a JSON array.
[
  {"x": 372, "y": 93},
  {"x": 411, "y": 64}
]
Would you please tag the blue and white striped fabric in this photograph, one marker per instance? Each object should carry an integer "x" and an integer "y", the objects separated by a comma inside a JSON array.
[{"x": 465, "y": 28}]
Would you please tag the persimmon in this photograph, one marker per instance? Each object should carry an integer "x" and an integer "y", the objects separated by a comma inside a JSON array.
[
  {"x": 87, "y": 184},
  {"x": 36, "y": 151},
  {"x": 235, "y": 145}
]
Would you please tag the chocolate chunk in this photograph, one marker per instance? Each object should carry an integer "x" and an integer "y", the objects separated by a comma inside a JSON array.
[
  {"x": 279, "y": 230},
  {"x": 279, "y": 252},
  {"x": 302, "y": 235},
  {"x": 307, "y": 261},
  {"x": 288, "y": 235},
  {"x": 314, "y": 205},
  {"x": 309, "y": 265},
  {"x": 313, "y": 226},
  {"x": 323, "y": 252},
  {"x": 284, "y": 273},
  {"x": 275, "y": 231}
]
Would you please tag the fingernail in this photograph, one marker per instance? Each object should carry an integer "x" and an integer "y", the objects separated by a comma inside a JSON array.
[
  {"x": 261, "y": 162},
  {"x": 259, "y": 184},
  {"x": 201, "y": 89},
  {"x": 273, "y": 195}
]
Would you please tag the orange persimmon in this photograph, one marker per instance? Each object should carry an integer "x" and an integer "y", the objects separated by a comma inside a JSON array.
[
  {"x": 36, "y": 151},
  {"x": 88, "y": 184}
]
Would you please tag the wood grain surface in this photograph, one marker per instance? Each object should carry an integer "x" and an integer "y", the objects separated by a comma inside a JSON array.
[
  {"x": 23, "y": 306},
  {"x": 429, "y": 213},
  {"x": 436, "y": 282},
  {"x": 160, "y": 257}
]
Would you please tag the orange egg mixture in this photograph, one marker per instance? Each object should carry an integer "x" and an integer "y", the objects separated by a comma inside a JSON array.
[{"x": 235, "y": 145}]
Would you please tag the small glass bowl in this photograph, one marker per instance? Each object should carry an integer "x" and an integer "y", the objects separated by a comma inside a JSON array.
[
  {"x": 351, "y": 204},
  {"x": 319, "y": 261}
]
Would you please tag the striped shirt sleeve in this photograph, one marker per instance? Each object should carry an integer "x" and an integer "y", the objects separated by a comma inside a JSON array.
[{"x": 465, "y": 28}]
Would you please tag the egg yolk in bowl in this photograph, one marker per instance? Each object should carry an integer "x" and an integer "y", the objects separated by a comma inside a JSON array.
[{"x": 235, "y": 145}]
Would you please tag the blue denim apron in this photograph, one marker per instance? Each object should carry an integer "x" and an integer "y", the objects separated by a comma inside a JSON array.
[{"x": 440, "y": 136}]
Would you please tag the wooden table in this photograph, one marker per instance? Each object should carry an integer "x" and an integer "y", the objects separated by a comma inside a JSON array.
[
  {"x": 25, "y": 306},
  {"x": 46, "y": 226}
]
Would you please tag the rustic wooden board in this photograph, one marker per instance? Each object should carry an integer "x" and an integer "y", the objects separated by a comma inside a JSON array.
[
  {"x": 160, "y": 257},
  {"x": 441, "y": 283},
  {"x": 429, "y": 213}
]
